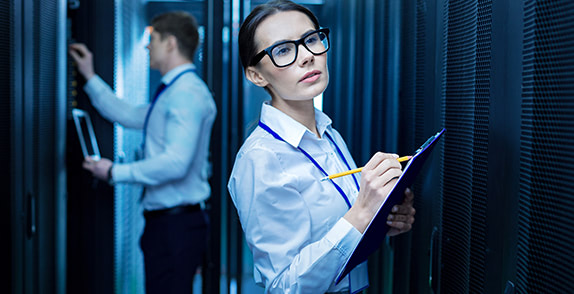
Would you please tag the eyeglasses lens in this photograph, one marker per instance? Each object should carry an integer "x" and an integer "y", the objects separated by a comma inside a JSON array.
[{"x": 286, "y": 53}]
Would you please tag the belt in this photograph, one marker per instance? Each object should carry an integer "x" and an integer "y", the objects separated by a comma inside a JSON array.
[{"x": 172, "y": 210}]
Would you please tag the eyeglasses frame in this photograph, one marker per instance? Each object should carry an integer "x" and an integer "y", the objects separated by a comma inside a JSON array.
[{"x": 268, "y": 50}]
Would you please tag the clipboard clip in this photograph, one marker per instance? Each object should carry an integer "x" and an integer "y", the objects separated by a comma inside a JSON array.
[{"x": 428, "y": 142}]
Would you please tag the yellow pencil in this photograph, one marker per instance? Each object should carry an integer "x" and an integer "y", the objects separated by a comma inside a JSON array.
[{"x": 333, "y": 176}]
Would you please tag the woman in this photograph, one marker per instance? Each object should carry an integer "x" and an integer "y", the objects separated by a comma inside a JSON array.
[{"x": 301, "y": 230}]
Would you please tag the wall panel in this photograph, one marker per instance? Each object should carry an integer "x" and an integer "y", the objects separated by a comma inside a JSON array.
[
  {"x": 545, "y": 260},
  {"x": 459, "y": 143}
]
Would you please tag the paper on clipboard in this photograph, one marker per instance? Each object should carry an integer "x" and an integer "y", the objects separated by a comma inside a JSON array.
[
  {"x": 86, "y": 134},
  {"x": 378, "y": 228}
]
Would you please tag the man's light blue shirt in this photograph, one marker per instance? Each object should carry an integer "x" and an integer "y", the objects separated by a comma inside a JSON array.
[{"x": 175, "y": 168}]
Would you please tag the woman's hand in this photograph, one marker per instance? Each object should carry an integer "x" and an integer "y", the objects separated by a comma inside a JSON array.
[
  {"x": 378, "y": 178},
  {"x": 402, "y": 216}
]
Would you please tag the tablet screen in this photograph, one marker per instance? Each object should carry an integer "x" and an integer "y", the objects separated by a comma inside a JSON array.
[{"x": 86, "y": 134}]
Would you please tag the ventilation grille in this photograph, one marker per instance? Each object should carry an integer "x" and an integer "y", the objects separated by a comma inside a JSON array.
[
  {"x": 418, "y": 102},
  {"x": 459, "y": 117},
  {"x": 6, "y": 107},
  {"x": 546, "y": 238},
  {"x": 45, "y": 96},
  {"x": 480, "y": 152},
  {"x": 408, "y": 68},
  {"x": 420, "y": 71},
  {"x": 6, "y": 110}
]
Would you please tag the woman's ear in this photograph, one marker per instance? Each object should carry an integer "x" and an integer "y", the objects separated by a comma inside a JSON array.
[{"x": 254, "y": 76}]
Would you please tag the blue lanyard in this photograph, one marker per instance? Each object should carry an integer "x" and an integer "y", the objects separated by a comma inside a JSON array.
[
  {"x": 270, "y": 131},
  {"x": 343, "y": 157},
  {"x": 155, "y": 98}
]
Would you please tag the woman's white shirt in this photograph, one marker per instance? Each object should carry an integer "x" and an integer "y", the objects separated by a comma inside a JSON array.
[{"x": 293, "y": 221}]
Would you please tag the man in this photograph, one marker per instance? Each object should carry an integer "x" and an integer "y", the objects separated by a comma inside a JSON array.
[{"x": 174, "y": 169}]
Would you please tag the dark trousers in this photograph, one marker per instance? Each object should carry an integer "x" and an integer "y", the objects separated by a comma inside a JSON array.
[{"x": 173, "y": 247}]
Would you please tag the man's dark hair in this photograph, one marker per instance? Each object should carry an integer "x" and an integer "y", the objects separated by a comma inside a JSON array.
[
  {"x": 182, "y": 26},
  {"x": 247, "y": 44}
]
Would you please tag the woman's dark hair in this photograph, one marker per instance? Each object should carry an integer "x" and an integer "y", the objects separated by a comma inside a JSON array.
[
  {"x": 182, "y": 26},
  {"x": 247, "y": 44}
]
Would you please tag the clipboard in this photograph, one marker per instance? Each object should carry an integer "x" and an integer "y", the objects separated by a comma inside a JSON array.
[
  {"x": 378, "y": 228},
  {"x": 86, "y": 134}
]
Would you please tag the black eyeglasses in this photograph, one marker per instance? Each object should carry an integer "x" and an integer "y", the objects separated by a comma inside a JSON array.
[{"x": 285, "y": 53}]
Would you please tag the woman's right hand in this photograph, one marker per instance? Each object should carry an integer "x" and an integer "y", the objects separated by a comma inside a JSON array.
[{"x": 378, "y": 178}]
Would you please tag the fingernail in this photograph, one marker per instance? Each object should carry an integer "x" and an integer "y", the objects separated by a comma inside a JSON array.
[
  {"x": 389, "y": 223},
  {"x": 390, "y": 217},
  {"x": 395, "y": 209}
]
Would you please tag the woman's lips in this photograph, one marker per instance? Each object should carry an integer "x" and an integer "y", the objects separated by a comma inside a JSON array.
[{"x": 310, "y": 76}]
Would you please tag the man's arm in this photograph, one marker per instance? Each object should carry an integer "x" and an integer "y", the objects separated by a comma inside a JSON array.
[{"x": 102, "y": 96}]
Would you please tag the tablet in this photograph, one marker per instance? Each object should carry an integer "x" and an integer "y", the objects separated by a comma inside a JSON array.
[{"x": 86, "y": 134}]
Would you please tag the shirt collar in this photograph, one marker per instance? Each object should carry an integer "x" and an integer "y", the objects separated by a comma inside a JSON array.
[
  {"x": 170, "y": 75},
  {"x": 289, "y": 129}
]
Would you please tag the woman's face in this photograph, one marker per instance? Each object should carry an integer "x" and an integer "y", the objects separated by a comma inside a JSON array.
[{"x": 307, "y": 77}]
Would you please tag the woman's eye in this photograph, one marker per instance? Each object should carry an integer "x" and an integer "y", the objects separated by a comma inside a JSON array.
[
  {"x": 312, "y": 39},
  {"x": 281, "y": 51}
]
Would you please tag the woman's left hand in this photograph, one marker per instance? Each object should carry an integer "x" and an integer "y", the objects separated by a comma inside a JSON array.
[{"x": 402, "y": 216}]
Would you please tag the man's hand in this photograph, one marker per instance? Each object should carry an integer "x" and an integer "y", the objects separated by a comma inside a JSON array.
[
  {"x": 402, "y": 216},
  {"x": 99, "y": 168},
  {"x": 83, "y": 58}
]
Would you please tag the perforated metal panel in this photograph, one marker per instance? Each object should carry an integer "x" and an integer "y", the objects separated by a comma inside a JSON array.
[
  {"x": 546, "y": 237},
  {"x": 408, "y": 74},
  {"x": 480, "y": 149},
  {"x": 459, "y": 121},
  {"x": 418, "y": 100},
  {"x": 420, "y": 62},
  {"x": 30, "y": 47},
  {"x": 6, "y": 84},
  {"x": 467, "y": 100},
  {"x": 44, "y": 142},
  {"x": 6, "y": 110},
  {"x": 45, "y": 83}
]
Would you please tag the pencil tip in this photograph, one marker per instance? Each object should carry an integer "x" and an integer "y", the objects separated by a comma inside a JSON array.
[{"x": 324, "y": 179}]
